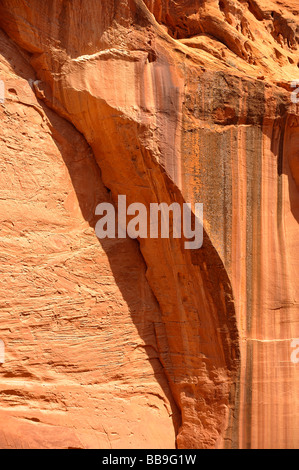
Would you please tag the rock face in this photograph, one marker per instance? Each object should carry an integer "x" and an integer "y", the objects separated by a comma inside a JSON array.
[
  {"x": 77, "y": 317},
  {"x": 119, "y": 343}
]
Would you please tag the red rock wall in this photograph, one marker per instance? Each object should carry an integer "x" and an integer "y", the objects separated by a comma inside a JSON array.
[
  {"x": 77, "y": 316},
  {"x": 194, "y": 109}
]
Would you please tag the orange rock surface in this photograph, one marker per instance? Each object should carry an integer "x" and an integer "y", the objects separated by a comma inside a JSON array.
[{"x": 127, "y": 344}]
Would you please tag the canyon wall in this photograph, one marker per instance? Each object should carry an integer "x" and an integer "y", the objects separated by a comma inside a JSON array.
[{"x": 123, "y": 343}]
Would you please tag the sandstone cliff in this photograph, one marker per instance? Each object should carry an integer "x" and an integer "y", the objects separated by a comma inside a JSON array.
[{"x": 119, "y": 343}]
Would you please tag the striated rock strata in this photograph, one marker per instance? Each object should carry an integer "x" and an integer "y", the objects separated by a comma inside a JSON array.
[{"x": 145, "y": 344}]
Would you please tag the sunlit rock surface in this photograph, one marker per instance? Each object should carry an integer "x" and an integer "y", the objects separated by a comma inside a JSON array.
[{"x": 122, "y": 343}]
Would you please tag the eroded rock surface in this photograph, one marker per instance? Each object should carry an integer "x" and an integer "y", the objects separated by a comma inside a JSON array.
[{"x": 170, "y": 101}]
